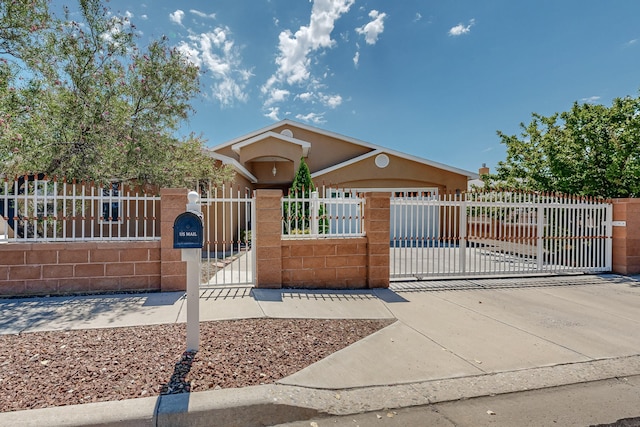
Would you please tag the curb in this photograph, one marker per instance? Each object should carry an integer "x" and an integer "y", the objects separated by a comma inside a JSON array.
[{"x": 273, "y": 404}]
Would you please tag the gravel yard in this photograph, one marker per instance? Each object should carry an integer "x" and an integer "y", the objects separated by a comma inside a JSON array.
[{"x": 43, "y": 369}]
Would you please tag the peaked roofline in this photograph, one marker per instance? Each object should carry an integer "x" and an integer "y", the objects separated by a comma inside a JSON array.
[
  {"x": 233, "y": 162},
  {"x": 270, "y": 128},
  {"x": 270, "y": 134}
]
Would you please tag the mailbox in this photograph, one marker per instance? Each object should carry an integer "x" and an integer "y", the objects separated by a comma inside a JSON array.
[{"x": 187, "y": 231}]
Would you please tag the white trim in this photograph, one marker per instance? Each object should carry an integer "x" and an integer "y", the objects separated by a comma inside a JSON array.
[
  {"x": 469, "y": 175},
  {"x": 233, "y": 162},
  {"x": 345, "y": 164},
  {"x": 303, "y": 144}
]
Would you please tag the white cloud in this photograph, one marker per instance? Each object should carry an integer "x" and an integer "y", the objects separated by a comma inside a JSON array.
[
  {"x": 145, "y": 17},
  {"x": 631, "y": 42},
  {"x": 273, "y": 114},
  {"x": 128, "y": 14},
  {"x": 215, "y": 52},
  {"x": 306, "y": 96},
  {"x": 295, "y": 49},
  {"x": 278, "y": 95},
  {"x": 418, "y": 17},
  {"x": 331, "y": 101},
  {"x": 373, "y": 29},
  {"x": 314, "y": 118},
  {"x": 356, "y": 59},
  {"x": 202, "y": 14},
  {"x": 176, "y": 17},
  {"x": 591, "y": 99},
  {"x": 461, "y": 29}
]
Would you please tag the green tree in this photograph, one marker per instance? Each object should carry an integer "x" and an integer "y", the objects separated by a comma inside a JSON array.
[
  {"x": 81, "y": 99},
  {"x": 302, "y": 185},
  {"x": 591, "y": 150},
  {"x": 298, "y": 215}
]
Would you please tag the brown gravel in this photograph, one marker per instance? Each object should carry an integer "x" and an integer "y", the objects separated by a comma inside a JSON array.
[{"x": 43, "y": 369}]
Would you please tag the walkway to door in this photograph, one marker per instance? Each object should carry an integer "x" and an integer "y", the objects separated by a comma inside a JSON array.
[
  {"x": 227, "y": 252},
  {"x": 506, "y": 233}
]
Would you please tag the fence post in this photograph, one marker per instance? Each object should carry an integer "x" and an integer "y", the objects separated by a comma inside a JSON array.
[
  {"x": 173, "y": 271},
  {"x": 626, "y": 236},
  {"x": 267, "y": 242},
  {"x": 463, "y": 234},
  {"x": 315, "y": 213},
  {"x": 540, "y": 237},
  {"x": 377, "y": 226}
]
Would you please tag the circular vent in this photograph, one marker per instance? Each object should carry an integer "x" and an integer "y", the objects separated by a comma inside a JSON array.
[
  {"x": 382, "y": 161},
  {"x": 287, "y": 132}
]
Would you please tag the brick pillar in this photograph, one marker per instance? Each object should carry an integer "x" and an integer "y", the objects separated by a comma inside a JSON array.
[
  {"x": 377, "y": 219},
  {"x": 267, "y": 239},
  {"x": 626, "y": 236},
  {"x": 173, "y": 271}
]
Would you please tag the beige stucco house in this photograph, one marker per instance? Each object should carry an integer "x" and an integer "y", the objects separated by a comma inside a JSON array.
[{"x": 269, "y": 157}]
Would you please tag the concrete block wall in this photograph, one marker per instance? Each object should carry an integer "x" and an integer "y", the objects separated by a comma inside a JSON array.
[
  {"x": 324, "y": 263},
  {"x": 626, "y": 238},
  {"x": 377, "y": 225},
  {"x": 267, "y": 239},
  {"x": 79, "y": 267},
  {"x": 348, "y": 263},
  {"x": 62, "y": 268},
  {"x": 173, "y": 269}
]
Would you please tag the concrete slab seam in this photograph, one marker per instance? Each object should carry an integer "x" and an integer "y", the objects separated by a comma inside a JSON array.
[{"x": 514, "y": 327}]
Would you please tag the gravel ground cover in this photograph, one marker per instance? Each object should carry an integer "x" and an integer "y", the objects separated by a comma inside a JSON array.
[{"x": 43, "y": 369}]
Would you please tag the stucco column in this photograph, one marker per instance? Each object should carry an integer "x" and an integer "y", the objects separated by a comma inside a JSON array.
[
  {"x": 173, "y": 271},
  {"x": 267, "y": 239},
  {"x": 377, "y": 226},
  {"x": 626, "y": 236}
]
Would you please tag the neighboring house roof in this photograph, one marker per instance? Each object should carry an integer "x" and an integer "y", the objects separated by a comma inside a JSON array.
[{"x": 268, "y": 132}]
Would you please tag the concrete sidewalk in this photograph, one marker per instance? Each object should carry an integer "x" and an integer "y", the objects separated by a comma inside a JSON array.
[{"x": 453, "y": 339}]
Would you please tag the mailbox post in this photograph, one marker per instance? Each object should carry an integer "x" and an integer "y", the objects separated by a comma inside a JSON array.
[{"x": 188, "y": 236}]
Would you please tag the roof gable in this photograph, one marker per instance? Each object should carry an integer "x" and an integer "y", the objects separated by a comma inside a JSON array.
[{"x": 237, "y": 147}]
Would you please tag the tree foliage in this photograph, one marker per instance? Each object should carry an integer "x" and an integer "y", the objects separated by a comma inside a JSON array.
[
  {"x": 302, "y": 212},
  {"x": 81, "y": 99},
  {"x": 302, "y": 185},
  {"x": 591, "y": 150}
]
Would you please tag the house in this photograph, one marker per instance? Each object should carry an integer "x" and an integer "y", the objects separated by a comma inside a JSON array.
[{"x": 269, "y": 157}]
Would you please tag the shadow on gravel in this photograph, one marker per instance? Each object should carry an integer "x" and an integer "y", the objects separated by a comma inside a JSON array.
[
  {"x": 178, "y": 382},
  {"x": 175, "y": 394}
]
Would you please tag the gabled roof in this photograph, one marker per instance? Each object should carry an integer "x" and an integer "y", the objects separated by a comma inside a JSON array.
[
  {"x": 260, "y": 137},
  {"x": 233, "y": 162},
  {"x": 373, "y": 147}
]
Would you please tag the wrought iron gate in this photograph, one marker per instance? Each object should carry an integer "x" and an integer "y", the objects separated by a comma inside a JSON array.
[
  {"x": 505, "y": 233},
  {"x": 227, "y": 255}
]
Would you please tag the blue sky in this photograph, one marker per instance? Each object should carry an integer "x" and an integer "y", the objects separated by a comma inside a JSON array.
[{"x": 435, "y": 79}]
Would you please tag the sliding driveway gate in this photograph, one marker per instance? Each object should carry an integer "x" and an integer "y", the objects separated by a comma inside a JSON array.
[{"x": 505, "y": 233}]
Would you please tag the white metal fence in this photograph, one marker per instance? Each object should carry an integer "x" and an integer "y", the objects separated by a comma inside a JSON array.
[
  {"x": 497, "y": 234},
  {"x": 36, "y": 208},
  {"x": 335, "y": 214},
  {"x": 227, "y": 255}
]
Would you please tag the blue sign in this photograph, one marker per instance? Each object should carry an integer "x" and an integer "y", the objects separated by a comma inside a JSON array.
[{"x": 187, "y": 231}]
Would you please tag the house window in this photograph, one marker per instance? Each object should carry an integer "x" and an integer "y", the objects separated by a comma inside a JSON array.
[{"x": 111, "y": 204}]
